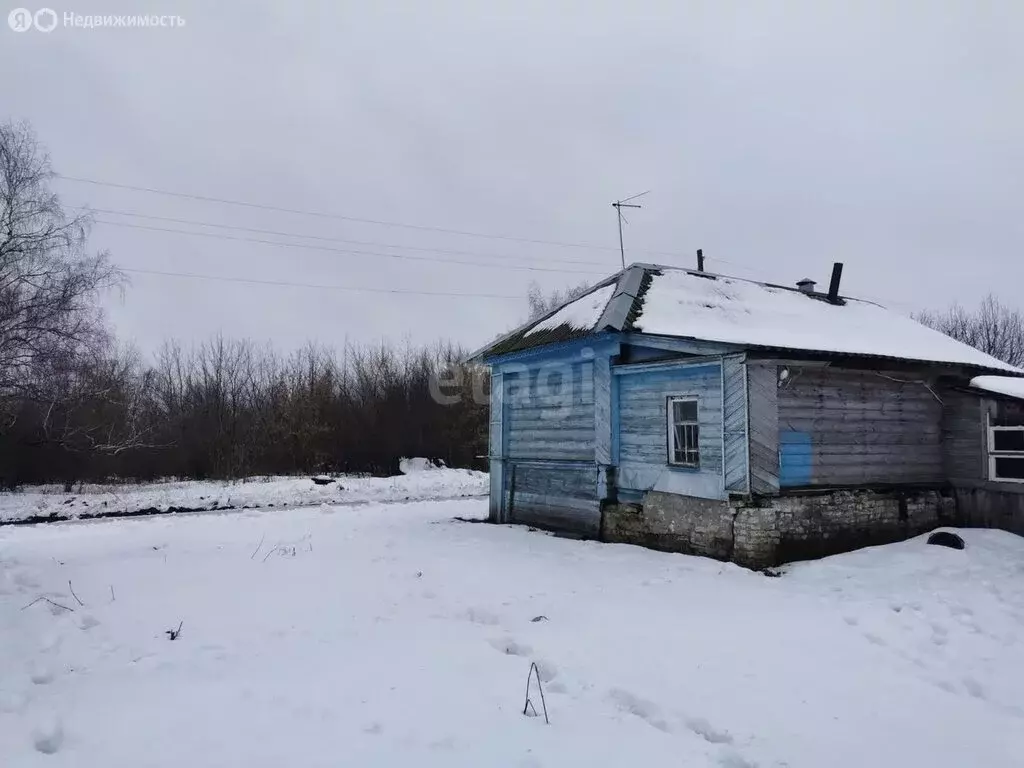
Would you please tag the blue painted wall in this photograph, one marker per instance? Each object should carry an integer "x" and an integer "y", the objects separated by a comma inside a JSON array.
[
  {"x": 549, "y": 408},
  {"x": 795, "y": 457},
  {"x": 574, "y": 430},
  {"x": 643, "y": 394},
  {"x": 550, "y": 446}
]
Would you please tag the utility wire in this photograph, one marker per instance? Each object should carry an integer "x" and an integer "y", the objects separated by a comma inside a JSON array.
[
  {"x": 323, "y": 215},
  {"x": 313, "y": 247},
  {"x": 219, "y": 225},
  {"x": 357, "y": 289},
  {"x": 877, "y": 300},
  {"x": 379, "y": 222},
  {"x": 320, "y": 214}
]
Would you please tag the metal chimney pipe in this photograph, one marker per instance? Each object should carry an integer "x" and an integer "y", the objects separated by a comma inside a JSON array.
[{"x": 833, "y": 286}]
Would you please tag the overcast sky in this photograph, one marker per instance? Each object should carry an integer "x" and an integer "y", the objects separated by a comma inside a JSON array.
[{"x": 779, "y": 137}]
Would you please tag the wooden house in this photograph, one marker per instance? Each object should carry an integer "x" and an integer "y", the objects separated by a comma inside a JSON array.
[{"x": 760, "y": 423}]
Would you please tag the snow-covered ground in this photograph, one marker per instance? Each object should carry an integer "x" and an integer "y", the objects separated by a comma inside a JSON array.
[
  {"x": 392, "y": 635},
  {"x": 419, "y": 482}
]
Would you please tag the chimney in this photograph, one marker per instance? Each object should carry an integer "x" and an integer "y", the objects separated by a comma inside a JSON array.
[
  {"x": 833, "y": 287},
  {"x": 806, "y": 285},
  {"x": 700, "y": 259}
]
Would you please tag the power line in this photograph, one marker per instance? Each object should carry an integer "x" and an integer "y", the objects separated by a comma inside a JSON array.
[
  {"x": 338, "y": 216},
  {"x": 320, "y": 214},
  {"x": 379, "y": 222},
  {"x": 254, "y": 281},
  {"x": 877, "y": 300},
  {"x": 313, "y": 247},
  {"x": 219, "y": 225}
]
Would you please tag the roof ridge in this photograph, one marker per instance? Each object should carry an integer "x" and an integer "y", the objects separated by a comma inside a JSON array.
[{"x": 762, "y": 283}]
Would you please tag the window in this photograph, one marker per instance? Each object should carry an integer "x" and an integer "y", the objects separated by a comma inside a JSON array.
[
  {"x": 1006, "y": 454},
  {"x": 683, "y": 432}
]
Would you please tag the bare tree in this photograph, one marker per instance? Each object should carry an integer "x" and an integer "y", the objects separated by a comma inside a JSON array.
[
  {"x": 993, "y": 328},
  {"x": 541, "y": 303},
  {"x": 49, "y": 283}
]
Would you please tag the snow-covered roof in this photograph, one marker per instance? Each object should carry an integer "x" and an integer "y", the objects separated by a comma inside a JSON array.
[
  {"x": 581, "y": 314},
  {"x": 1001, "y": 385},
  {"x": 736, "y": 311},
  {"x": 682, "y": 303}
]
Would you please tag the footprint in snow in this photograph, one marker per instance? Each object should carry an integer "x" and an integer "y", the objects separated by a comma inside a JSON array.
[
  {"x": 646, "y": 710},
  {"x": 41, "y": 674},
  {"x": 708, "y": 732},
  {"x": 546, "y": 670},
  {"x": 481, "y": 616},
  {"x": 557, "y": 687},
  {"x": 48, "y": 736},
  {"x": 735, "y": 760},
  {"x": 510, "y": 647},
  {"x": 973, "y": 687}
]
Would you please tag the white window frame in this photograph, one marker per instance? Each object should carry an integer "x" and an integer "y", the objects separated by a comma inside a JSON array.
[
  {"x": 671, "y": 432},
  {"x": 993, "y": 454}
]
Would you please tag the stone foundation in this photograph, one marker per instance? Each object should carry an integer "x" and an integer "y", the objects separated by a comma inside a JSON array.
[
  {"x": 807, "y": 526},
  {"x": 672, "y": 523},
  {"x": 768, "y": 531}
]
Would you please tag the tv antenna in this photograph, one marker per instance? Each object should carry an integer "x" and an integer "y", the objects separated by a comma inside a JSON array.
[{"x": 618, "y": 205}]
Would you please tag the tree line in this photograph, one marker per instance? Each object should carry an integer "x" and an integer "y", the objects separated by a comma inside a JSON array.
[
  {"x": 75, "y": 405},
  {"x": 229, "y": 408}
]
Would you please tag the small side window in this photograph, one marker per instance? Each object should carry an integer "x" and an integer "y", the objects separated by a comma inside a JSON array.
[
  {"x": 683, "y": 431},
  {"x": 1006, "y": 454}
]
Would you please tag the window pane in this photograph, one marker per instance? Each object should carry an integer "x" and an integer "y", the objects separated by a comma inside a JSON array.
[
  {"x": 685, "y": 410},
  {"x": 683, "y": 431},
  {"x": 1008, "y": 440},
  {"x": 680, "y": 437},
  {"x": 1010, "y": 468}
]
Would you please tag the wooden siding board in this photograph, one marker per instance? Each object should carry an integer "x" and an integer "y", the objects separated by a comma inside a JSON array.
[
  {"x": 560, "y": 497},
  {"x": 602, "y": 411},
  {"x": 550, "y": 411},
  {"x": 844, "y": 427},
  {"x": 496, "y": 450},
  {"x": 964, "y": 438},
  {"x": 549, "y": 435},
  {"x": 763, "y": 421},
  {"x": 642, "y": 443}
]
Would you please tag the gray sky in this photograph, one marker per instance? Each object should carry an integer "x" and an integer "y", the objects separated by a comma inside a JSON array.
[{"x": 779, "y": 137}]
